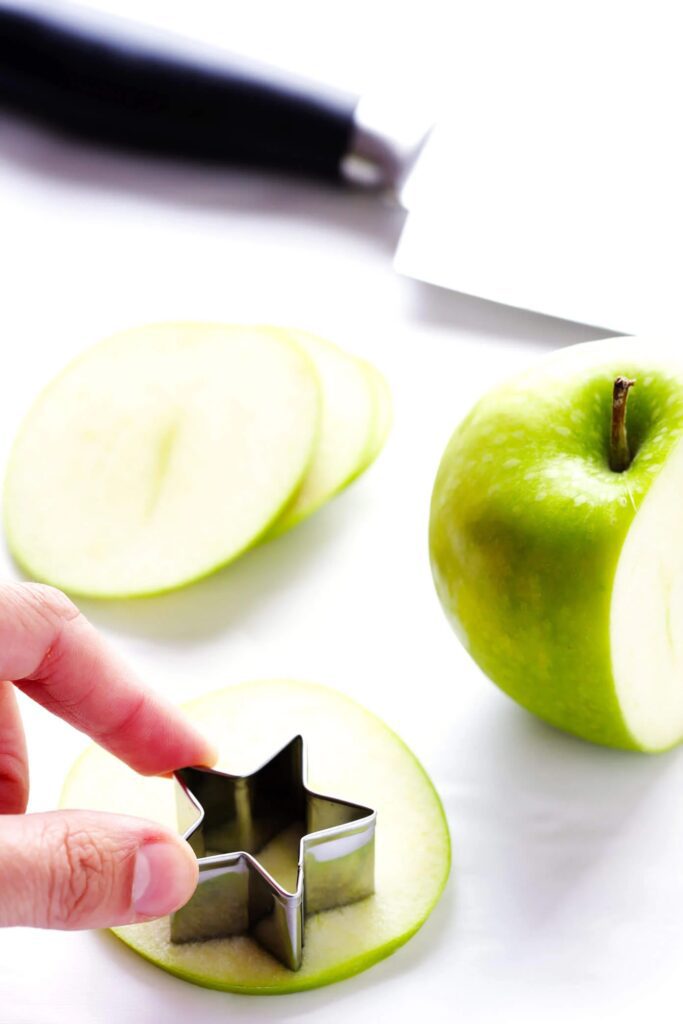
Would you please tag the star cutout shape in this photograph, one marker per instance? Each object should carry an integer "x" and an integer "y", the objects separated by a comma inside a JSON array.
[{"x": 228, "y": 820}]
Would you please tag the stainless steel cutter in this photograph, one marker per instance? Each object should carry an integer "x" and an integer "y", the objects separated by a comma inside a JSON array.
[{"x": 229, "y": 819}]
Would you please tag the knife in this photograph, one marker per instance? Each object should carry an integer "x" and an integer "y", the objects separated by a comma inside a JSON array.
[{"x": 500, "y": 201}]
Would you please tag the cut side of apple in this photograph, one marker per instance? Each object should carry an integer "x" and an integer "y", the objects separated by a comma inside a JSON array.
[
  {"x": 646, "y": 615},
  {"x": 352, "y": 755},
  {"x": 354, "y": 398},
  {"x": 159, "y": 456}
]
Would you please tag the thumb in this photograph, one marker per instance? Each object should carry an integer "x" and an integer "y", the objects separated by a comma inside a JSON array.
[{"x": 81, "y": 869}]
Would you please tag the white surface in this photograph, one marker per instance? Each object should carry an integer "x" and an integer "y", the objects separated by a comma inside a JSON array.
[
  {"x": 554, "y": 180},
  {"x": 567, "y": 890}
]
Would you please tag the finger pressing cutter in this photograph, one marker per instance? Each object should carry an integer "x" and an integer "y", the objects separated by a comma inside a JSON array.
[{"x": 229, "y": 819}]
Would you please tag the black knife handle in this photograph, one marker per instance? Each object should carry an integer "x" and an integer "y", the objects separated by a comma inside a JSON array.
[{"x": 105, "y": 81}]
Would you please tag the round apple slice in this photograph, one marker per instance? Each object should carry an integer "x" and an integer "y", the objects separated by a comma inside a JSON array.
[
  {"x": 349, "y": 437},
  {"x": 160, "y": 455},
  {"x": 352, "y": 755}
]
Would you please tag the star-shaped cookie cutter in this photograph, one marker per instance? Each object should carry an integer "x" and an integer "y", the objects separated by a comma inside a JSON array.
[{"x": 229, "y": 819}]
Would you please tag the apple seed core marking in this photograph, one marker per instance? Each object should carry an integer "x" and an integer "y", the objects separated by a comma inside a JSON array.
[{"x": 619, "y": 453}]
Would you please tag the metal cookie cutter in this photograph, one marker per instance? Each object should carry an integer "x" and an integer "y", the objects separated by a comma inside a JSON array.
[{"x": 228, "y": 819}]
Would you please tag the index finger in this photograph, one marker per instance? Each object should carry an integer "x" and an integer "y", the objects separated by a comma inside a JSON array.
[{"x": 53, "y": 654}]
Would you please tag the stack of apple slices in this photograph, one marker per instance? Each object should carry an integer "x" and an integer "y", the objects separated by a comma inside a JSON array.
[{"x": 164, "y": 452}]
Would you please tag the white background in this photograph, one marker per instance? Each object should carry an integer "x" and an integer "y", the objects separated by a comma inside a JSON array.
[{"x": 567, "y": 886}]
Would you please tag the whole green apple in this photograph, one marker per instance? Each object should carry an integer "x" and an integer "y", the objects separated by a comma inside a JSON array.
[{"x": 556, "y": 540}]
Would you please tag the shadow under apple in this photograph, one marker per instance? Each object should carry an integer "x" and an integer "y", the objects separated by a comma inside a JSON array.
[{"x": 546, "y": 823}]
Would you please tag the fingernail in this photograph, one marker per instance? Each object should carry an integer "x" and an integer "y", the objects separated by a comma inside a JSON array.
[{"x": 164, "y": 878}]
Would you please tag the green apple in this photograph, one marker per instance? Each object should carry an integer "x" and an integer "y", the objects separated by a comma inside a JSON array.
[
  {"x": 353, "y": 427},
  {"x": 351, "y": 754},
  {"x": 556, "y": 540}
]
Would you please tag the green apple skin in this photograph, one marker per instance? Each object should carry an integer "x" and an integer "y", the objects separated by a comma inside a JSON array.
[{"x": 528, "y": 522}]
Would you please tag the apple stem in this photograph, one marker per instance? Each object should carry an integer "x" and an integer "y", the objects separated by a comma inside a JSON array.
[{"x": 619, "y": 454}]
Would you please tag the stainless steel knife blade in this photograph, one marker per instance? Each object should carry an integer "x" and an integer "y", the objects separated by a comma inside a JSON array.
[{"x": 553, "y": 181}]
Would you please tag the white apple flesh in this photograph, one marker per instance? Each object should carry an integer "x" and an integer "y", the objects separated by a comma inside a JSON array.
[
  {"x": 646, "y": 621},
  {"x": 158, "y": 456}
]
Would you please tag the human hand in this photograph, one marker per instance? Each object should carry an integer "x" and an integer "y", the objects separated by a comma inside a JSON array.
[{"x": 81, "y": 869}]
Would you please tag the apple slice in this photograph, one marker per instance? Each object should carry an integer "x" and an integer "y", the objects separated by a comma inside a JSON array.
[
  {"x": 160, "y": 455},
  {"x": 383, "y": 415},
  {"x": 354, "y": 398},
  {"x": 351, "y": 754}
]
